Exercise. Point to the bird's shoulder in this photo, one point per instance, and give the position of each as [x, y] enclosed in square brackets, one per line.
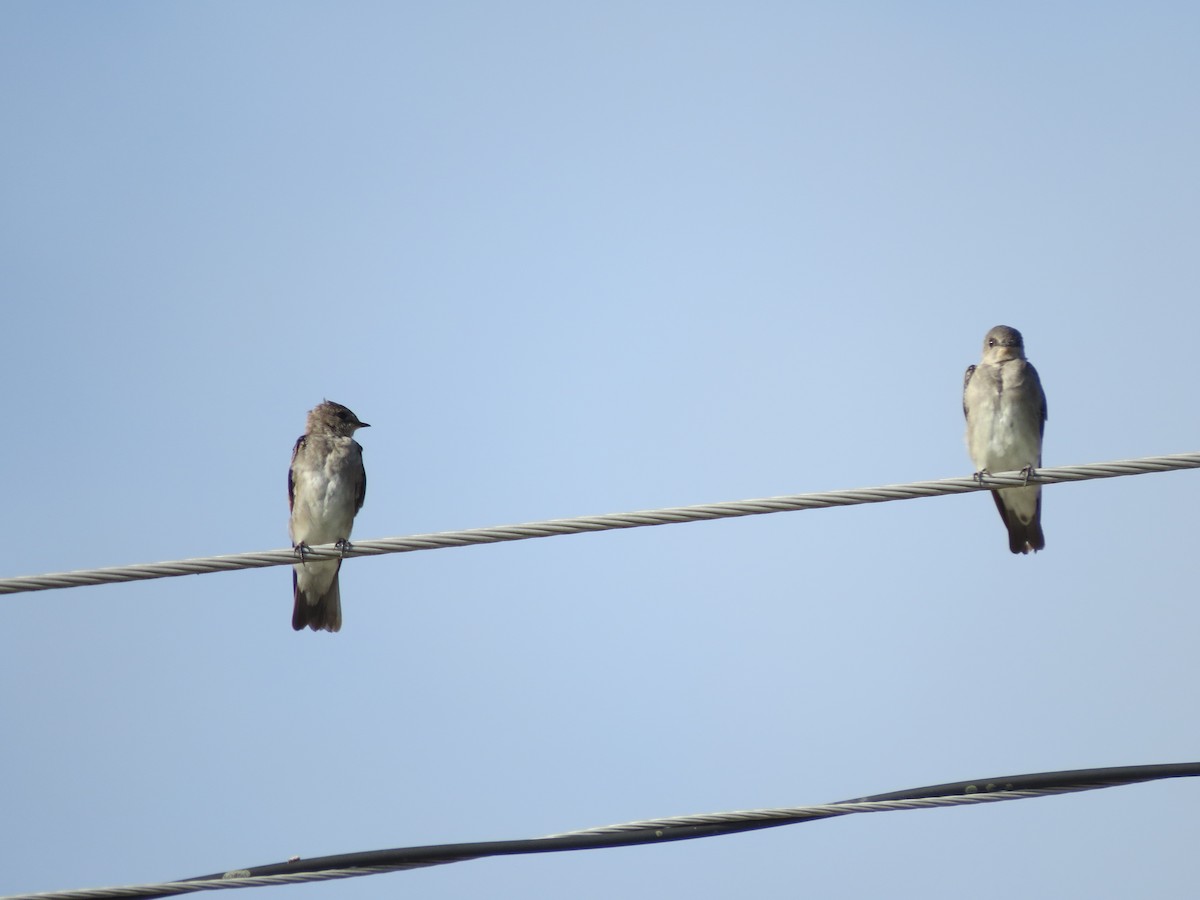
[1021, 381]
[296, 449]
[1021, 373]
[967, 376]
[360, 474]
[1033, 382]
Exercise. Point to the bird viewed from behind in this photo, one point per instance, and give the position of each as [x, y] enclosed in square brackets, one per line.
[1005, 408]
[326, 487]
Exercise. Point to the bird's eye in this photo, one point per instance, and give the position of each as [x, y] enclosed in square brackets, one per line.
[991, 342]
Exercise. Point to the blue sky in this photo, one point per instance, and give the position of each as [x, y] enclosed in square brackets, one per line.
[584, 258]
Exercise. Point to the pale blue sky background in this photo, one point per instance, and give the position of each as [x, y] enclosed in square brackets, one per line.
[574, 258]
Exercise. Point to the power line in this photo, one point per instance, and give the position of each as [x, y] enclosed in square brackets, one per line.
[607, 522]
[651, 831]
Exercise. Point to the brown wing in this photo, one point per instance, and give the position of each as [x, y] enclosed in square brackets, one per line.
[291, 473]
[1045, 412]
[1031, 384]
[966, 381]
[360, 494]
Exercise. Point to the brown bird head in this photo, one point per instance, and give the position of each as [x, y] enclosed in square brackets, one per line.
[1003, 343]
[333, 418]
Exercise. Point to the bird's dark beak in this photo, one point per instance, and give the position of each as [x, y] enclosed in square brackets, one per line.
[363, 425]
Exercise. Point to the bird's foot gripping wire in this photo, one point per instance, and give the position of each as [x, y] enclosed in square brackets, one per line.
[978, 476]
[299, 550]
[345, 546]
[1028, 472]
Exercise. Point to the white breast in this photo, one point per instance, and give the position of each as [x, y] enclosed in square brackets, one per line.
[323, 498]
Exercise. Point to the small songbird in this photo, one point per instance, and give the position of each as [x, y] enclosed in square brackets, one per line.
[326, 487]
[1005, 408]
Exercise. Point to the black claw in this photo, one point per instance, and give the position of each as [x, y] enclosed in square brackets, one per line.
[345, 546]
[299, 550]
[1027, 472]
[978, 476]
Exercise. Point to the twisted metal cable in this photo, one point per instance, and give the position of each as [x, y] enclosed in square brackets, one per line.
[648, 831]
[606, 522]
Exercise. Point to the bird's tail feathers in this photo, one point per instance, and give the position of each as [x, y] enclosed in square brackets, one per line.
[323, 613]
[1022, 536]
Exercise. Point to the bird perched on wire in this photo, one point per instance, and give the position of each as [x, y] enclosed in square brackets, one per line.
[326, 487]
[1005, 408]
